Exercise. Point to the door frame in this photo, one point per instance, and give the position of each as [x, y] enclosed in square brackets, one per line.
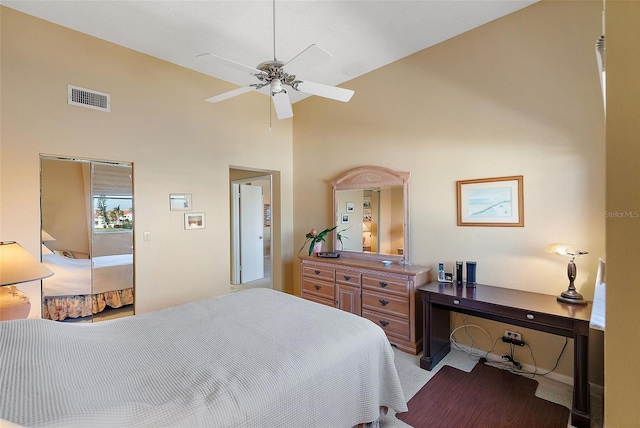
[235, 224]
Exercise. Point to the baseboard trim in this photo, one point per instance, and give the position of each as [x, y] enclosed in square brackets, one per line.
[568, 380]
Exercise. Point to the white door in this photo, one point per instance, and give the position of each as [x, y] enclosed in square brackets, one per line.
[251, 230]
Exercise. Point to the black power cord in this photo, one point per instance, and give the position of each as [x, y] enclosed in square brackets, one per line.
[515, 363]
[509, 357]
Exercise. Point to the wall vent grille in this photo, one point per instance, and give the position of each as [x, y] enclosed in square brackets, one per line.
[88, 98]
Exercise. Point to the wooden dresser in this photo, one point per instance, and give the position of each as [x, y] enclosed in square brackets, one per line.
[386, 295]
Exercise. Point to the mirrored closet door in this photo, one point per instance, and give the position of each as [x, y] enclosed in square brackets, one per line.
[87, 239]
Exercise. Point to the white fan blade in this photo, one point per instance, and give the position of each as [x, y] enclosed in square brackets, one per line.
[326, 91]
[309, 58]
[282, 104]
[234, 93]
[215, 59]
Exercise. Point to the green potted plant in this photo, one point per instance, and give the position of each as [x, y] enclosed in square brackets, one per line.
[313, 237]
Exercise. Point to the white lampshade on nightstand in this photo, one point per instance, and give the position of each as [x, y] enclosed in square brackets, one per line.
[17, 266]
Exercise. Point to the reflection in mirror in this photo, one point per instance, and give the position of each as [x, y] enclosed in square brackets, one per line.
[87, 234]
[371, 209]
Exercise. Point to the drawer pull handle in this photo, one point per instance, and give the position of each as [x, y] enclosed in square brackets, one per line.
[530, 316]
[383, 284]
[383, 302]
[347, 277]
[317, 272]
[317, 287]
[384, 323]
[456, 302]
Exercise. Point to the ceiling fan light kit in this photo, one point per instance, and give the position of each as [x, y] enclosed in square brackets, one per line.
[272, 74]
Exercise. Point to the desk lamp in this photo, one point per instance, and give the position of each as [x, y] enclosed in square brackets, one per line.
[570, 296]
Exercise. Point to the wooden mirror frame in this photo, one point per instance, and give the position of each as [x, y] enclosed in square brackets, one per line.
[367, 177]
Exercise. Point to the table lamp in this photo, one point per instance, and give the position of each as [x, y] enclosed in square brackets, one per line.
[17, 266]
[570, 296]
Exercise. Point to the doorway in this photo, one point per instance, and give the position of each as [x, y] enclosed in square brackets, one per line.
[251, 261]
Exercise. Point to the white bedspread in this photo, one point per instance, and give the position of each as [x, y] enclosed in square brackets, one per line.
[255, 358]
[73, 276]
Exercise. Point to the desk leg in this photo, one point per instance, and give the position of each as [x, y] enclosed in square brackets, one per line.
[580, 410]
[436, 327]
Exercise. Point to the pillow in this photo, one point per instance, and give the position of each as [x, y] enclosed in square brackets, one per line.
[64, 253]
[79, 255]
[46, 251]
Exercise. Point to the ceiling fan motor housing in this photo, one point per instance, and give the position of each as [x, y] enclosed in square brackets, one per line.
[275, 76]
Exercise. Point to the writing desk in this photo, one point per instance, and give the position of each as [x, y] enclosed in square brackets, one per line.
[535, 311]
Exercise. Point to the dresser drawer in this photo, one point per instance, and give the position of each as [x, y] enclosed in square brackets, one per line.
[386, 303]
[319, 272]
[387, 285]
[318, 287]
[318, 299]
[392, 326]
[349, 278]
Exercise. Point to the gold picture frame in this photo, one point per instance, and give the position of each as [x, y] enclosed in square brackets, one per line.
[491, 202]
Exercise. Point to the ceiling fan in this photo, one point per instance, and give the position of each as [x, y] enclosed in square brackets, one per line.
[272, 74]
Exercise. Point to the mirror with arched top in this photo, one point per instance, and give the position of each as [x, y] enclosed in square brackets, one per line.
[371, 206]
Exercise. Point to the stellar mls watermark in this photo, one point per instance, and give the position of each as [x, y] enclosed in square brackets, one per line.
[622, 214]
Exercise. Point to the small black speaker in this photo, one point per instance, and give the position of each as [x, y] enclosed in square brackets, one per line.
[459, 273]
[471, 274]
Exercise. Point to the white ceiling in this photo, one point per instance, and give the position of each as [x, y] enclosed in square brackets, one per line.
[362, 35]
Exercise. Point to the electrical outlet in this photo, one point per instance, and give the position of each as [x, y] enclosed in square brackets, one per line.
[512, 336]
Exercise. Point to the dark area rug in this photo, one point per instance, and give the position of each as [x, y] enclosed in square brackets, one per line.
[485, 397]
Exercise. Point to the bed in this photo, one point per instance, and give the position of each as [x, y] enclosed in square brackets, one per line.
[254, 358]
[71, 292]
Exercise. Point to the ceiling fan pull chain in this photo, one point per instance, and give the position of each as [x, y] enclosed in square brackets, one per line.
[270, 124]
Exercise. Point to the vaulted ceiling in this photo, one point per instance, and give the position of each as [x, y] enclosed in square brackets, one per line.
[361, 35]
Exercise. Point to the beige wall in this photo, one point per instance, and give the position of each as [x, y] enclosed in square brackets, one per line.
[158, 121]
[518, 96]
[622, 340]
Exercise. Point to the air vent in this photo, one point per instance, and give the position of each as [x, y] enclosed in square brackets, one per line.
[88, 98]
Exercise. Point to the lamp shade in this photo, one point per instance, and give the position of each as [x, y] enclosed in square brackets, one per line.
[17, 265]
[46, 236]
[564, 250]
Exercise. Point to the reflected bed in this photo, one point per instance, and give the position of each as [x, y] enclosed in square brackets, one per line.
[69, 293]
[254, 358]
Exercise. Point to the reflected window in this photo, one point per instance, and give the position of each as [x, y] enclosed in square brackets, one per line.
[112, 213]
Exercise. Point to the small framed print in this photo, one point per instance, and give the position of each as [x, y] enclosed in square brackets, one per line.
[180, 201]
[491, 202]
[351, 207]
[194, 221]
[345, 218]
